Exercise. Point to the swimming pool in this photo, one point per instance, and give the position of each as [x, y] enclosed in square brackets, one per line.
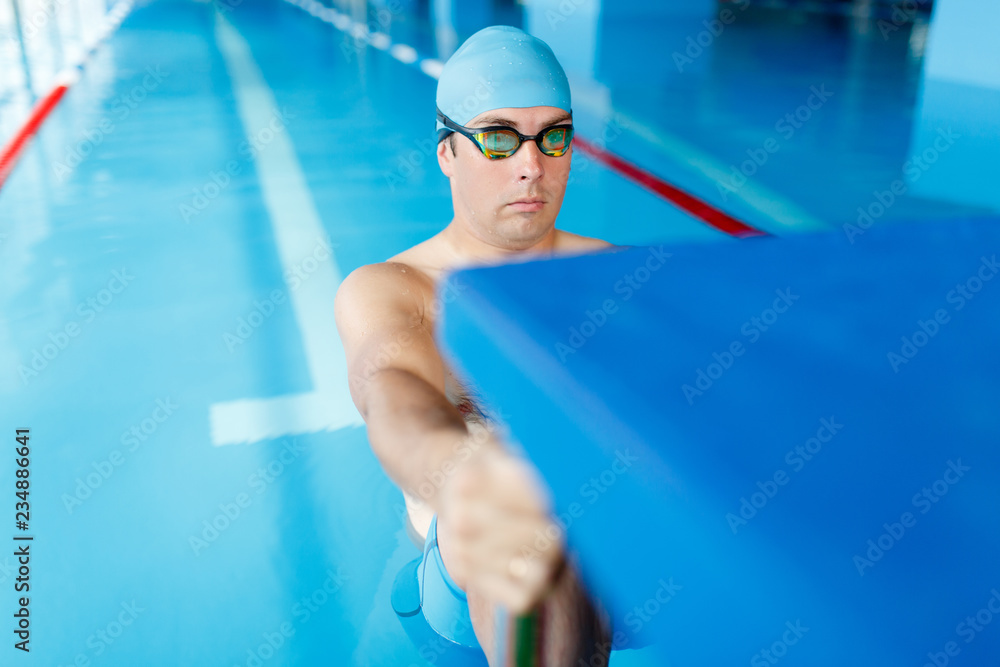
[203, 490]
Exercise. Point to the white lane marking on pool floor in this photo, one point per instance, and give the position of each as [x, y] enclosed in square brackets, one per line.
[297, 227]
[330, 406]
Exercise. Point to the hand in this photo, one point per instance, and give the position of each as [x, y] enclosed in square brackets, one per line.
[495, 531]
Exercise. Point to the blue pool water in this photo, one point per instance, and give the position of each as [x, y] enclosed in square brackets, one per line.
[171, 242]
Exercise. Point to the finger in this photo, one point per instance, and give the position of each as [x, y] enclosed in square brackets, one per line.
[486, 534]
[536, 573]
[500, 543]
[529, 569]
[469, 562]
[497, 525]
[520, 593]
[514, 597]
[492, 513]
[516, 474]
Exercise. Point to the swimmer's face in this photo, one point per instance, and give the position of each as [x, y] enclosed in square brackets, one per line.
[485, 192]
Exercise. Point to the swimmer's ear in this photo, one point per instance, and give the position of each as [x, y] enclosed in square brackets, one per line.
[446, 160]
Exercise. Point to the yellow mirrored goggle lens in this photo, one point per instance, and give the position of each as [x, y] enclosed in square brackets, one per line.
[501, 143]
[555, 141]
[498, 143]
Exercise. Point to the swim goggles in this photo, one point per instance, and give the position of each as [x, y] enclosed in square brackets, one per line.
[500, 142]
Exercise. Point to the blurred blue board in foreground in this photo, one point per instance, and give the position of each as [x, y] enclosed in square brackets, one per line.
[773, 450]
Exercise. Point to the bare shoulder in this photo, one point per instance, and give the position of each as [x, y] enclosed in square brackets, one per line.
[380, 313]
[570, 242]
[383, 290]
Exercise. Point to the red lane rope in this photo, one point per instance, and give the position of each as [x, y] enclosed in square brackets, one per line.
[15, 147]
[683, 200]
[705, 212]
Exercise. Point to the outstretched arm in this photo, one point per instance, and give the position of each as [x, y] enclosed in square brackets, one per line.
[397, 378]
[491, 505]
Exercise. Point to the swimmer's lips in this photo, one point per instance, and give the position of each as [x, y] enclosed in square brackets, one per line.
[527, 205]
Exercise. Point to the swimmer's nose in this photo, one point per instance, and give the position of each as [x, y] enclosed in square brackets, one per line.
[529, 161]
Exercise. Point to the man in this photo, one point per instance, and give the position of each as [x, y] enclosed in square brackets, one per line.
[486, 507]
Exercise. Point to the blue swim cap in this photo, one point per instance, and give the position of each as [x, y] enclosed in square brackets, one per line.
[500, 67]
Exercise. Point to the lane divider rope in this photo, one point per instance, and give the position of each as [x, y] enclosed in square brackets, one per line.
[694, 206]
[64, 79]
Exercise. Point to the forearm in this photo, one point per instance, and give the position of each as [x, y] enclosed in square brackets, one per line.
[417, 435]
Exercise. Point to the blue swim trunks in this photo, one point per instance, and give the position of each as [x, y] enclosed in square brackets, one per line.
[434, 611]
[444, 604]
